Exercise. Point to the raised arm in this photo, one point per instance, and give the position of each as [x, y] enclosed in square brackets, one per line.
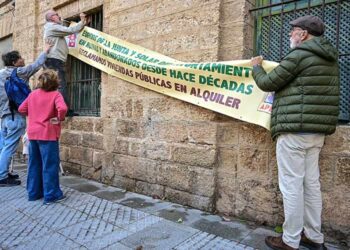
[60, 31]
[275, 80]
[29, 70]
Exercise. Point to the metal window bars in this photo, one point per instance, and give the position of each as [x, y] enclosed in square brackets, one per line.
[84, 81]
[272, 33]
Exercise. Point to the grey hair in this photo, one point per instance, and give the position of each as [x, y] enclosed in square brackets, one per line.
[48, 15]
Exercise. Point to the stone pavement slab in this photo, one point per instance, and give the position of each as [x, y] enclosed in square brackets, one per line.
[52, 241]
[162, 235]
[97, 216]
[202, 240]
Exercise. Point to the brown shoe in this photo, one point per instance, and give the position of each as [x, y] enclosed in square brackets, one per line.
[277, 243]
[310, 244]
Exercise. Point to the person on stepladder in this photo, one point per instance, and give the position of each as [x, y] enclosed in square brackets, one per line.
[56, 32]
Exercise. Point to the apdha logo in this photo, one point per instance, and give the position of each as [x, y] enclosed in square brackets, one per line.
[72, 41]
[266, 104]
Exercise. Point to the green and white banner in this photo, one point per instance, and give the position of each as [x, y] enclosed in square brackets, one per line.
[225, 87]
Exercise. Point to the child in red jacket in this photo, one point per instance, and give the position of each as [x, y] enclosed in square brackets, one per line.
[45, 108]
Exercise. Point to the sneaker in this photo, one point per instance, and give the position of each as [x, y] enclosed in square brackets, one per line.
[310, 244]
[62, 198]
[277, 243]
[8, 182]
[13, 176]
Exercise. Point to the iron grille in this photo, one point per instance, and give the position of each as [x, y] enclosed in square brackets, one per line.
[272, 39]
[84, 81]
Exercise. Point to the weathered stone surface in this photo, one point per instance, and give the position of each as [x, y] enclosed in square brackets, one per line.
[253, 136]
[98, 128]
[109, 126]
[202, 133]
[186, 20]
[94, 172]
[228, 133]
[169, 109]
[226, 193]
[65, 124]
[70, 138]
[177, 43]
[82, 156]
[336, 213]
[98, 157]
[172, 6]
[342, 171]
[176, 176]
[109, 164]
[91, 173]
[338, 143]
[194, 180]
[232, 12]
[200, 202]
[257, 201]
[92, 140]
[157, 151]
[120, 146]
[118, 5]
[199, 55]
[137, 168]
[135, 15]
[125, 108]
[170, 131]
[158, 145]
[252, 161]
[64, 153]
[130, 129]
[124, 182]
[82, 124]
[136, 148]
[71, 168]
[149, 189]
[229, 35]
[194, 155]
[327, 165]
[228, 160]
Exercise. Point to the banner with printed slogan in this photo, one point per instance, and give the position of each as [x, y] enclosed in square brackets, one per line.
[225, 87]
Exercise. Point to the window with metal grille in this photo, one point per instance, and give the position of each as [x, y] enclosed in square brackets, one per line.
[83, 80]
[5, 46]
[272, 34]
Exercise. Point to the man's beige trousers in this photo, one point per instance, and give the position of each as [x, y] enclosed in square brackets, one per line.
[298, 175]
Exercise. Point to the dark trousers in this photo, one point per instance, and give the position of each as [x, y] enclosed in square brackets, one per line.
[43, 167]
[60, 67]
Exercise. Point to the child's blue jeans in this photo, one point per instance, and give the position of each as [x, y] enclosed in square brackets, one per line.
[43, 167]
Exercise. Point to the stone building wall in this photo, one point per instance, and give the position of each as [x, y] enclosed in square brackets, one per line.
[155, 145]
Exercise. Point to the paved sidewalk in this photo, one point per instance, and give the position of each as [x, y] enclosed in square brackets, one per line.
[96, 216]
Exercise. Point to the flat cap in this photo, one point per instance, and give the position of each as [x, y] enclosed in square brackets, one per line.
[312, 24]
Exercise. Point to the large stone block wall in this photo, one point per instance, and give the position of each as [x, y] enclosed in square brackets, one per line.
[156, 145]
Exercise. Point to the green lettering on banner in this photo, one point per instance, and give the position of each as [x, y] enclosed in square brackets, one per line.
[120, 49]
[190, 77]
[225, 87]
[90, 35]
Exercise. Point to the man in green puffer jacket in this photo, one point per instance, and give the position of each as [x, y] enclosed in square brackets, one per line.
[305, 109]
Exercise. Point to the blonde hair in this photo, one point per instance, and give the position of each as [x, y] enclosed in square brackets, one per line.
[48, 80]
